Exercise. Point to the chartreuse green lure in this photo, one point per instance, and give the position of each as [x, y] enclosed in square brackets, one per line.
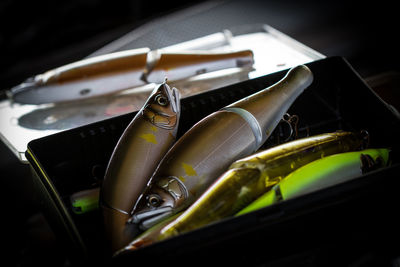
[85, 201]
[320, 174]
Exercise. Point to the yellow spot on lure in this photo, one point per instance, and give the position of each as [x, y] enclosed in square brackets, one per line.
[149, 137]
[189, 170]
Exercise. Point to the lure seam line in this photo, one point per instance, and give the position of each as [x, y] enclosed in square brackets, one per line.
[105, 204]
[251, 121]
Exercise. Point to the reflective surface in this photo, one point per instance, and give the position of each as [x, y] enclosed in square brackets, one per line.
[273, 51]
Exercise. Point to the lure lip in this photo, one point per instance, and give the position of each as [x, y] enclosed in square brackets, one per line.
[140, 216]
[172, 94]
[148, 218]
[170, 190]
[175, 96]
[148, 223]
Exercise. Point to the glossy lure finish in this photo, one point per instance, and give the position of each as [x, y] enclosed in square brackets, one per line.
[117, 71]
[204, 152]
[178, 66]
[84, 79]
[249, 178]
[138, 152]
[320, 174]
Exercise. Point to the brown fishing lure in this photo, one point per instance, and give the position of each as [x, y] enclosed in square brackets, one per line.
[204, 152]
[138, 152]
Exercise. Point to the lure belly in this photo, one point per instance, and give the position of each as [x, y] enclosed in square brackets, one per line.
[138, 152]
[204, 152]
[320, 174]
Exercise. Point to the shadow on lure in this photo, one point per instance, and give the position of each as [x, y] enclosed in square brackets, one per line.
[249, 178]
[210, 146]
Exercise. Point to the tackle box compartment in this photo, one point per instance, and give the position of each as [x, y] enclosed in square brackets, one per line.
[351, 223]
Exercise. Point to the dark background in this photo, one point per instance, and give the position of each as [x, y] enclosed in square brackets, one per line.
[43, 34]
[39, 35]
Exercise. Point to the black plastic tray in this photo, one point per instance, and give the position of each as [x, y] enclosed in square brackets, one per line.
[343, 223]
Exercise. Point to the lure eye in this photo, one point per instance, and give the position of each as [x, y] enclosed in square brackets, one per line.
[154, 200]
[161, 100]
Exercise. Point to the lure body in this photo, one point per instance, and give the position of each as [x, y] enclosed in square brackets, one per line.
[320, 174]
[138, 152]
[122, 70]
[249, 178]
[84, 79]
[204, 152]
[178, 66]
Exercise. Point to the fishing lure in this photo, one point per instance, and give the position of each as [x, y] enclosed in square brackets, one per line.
[204, 152]
[138, 152]
[122, 70]
[320, 174]
[85, 201]
[249, 178]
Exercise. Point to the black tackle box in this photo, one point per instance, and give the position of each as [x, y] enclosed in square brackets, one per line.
[353, 224]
